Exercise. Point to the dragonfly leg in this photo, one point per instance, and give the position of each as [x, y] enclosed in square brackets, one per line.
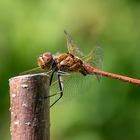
[52, 95]
[63, 73]
[51, 77]
[60, 86]
[61, 89]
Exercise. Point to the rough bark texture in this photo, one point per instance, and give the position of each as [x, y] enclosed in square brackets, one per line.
[29, 111]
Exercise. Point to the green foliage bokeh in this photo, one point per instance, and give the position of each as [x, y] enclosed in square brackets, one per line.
[110, 109]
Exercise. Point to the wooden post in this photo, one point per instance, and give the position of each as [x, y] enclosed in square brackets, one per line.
[29, 111]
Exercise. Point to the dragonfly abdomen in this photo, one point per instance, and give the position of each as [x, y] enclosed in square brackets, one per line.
[92, 70]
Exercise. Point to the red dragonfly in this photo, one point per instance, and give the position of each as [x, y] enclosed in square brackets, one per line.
[69, 62]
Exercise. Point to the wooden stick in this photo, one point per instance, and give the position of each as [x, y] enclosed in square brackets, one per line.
[29, 111]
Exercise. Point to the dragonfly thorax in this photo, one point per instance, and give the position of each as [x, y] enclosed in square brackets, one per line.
[46, 60]
[70, 63]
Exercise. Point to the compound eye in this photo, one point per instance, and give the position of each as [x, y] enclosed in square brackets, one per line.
[47, 56]
[48, 59]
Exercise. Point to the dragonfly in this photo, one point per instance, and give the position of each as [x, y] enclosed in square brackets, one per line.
[74, 61]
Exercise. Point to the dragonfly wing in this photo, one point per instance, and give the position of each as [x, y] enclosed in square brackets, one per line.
[75, 85]
[34, 71]
[72, 47]
[95, 59]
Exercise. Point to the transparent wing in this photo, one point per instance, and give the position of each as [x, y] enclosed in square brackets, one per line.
[72, 47]
[75, 85]
[33, 71]
[95, 59]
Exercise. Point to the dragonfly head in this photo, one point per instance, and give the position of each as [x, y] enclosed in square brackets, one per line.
[46, 60]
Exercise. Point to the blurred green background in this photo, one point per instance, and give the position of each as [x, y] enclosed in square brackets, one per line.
[110, 109]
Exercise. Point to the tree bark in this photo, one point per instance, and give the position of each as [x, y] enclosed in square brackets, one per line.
[30, 119]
